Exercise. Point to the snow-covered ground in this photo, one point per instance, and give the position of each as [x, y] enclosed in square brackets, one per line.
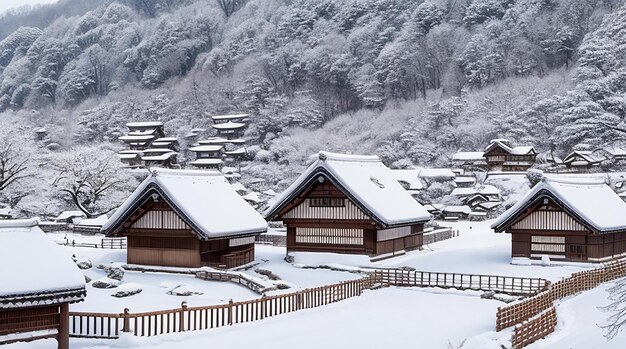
[392, 317]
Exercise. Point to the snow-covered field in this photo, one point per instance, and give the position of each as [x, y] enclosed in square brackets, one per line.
[392, 317]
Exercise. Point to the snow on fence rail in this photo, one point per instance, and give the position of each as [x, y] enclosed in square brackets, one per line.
[103, 325]
[535, 307]
[502, 284]
[109, 243]
[439, 235]
[538, 327]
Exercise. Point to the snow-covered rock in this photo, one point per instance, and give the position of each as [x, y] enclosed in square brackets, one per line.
[115, 273]
[83, 263]
[127, 290]
[105, 283]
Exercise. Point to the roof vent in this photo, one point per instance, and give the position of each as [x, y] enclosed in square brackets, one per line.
[377, 182]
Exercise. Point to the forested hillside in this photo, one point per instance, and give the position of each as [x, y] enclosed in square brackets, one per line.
[410, 80]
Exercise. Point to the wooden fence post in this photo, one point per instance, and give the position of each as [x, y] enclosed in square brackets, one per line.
[230, 312]
[126, 320]
[63, 336]
[181, 318]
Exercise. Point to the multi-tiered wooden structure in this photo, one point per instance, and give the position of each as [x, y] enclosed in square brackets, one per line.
[148, 146]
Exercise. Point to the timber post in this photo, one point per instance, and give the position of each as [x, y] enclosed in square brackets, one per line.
[63, 337]
[230, 312]
[126, 319]
[181, 318]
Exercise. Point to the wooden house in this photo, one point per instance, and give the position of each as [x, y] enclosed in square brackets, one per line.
[582, 160]
[219, 119]
[469, 159]
[409, 180]
[502, 156]
[165, 143]
[131, 158]
[162, 157]
[141, 134]
[349, 204]
[230, 130]
[207, 156]
[456, 212]
[39, 281]
[567, 219]
[612, 153]
[465, 181]
[187, 218]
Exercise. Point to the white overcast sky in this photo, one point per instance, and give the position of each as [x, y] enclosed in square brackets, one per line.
[9, 4]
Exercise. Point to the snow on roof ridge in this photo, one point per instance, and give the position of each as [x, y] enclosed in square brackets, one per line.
[158, 171]
[597, 180]
[19, 223]
[325, 155]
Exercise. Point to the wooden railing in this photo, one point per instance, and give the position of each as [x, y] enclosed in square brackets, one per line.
[232, 277]
[501, 284]
[530, 314]
[108, 243]
[103, 325]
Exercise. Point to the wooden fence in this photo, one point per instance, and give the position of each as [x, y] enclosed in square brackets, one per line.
[232, 277]
[538, 327]
[530, 314]
[439, 235]
[109, 243]
[103, 325]
[501, 284]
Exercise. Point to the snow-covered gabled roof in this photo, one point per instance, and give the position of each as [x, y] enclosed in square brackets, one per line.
[139, 124]
[206, 148]
[167, 139]
[461, 179]
[220, 140]
[35, 271]
[205, 162]
[366, 181]
[506, 146]
[586, 155]
[457, 209]
[443, 173]
[161, 157]
[228, 126]
[157, 151]
[463, 191]
[411, 177]
[229, 117]
[468, 156]
[142, 138]
[589, 200]
[203, 199]
[70, 214]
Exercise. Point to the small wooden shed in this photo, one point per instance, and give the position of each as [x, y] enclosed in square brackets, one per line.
[567, 219]
[38, 283]
[187, 218]
[349, 204]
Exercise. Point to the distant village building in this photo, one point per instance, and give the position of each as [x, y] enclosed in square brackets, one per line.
[39, 281]
[187, 218]
[148, 146]
[409, 179]
[207, 156]
[41, 133]
[469, 159]
[349, 204]
[582, 160]
[456, 212]
[502, 156]
[70, 216]
[567, 219]
[161, 157]
[612, 153]
[499, 155]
